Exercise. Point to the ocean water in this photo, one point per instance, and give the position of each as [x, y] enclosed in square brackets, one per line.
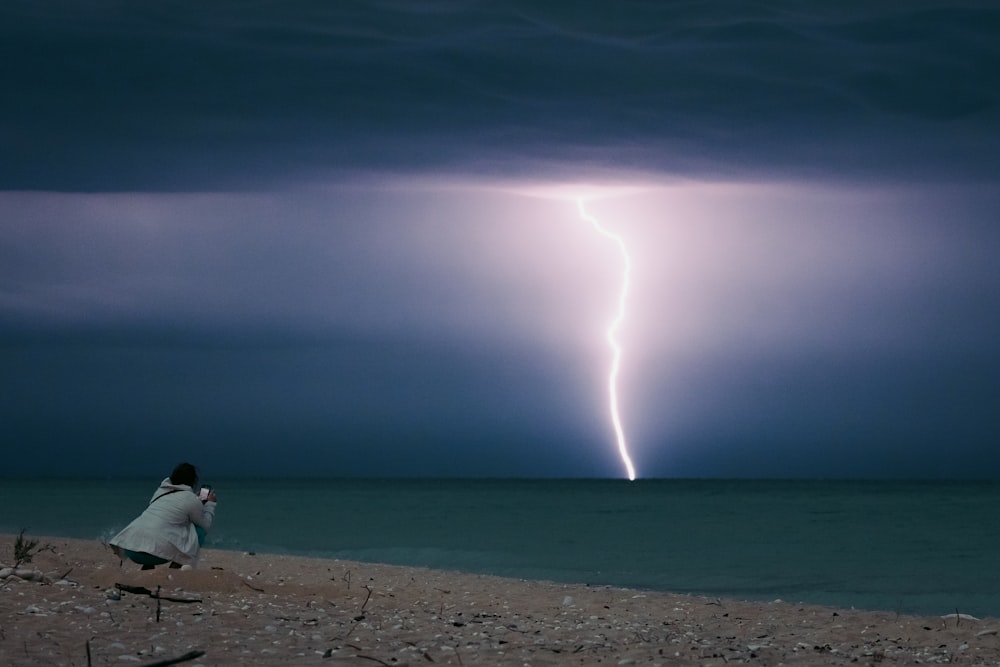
[911, 547]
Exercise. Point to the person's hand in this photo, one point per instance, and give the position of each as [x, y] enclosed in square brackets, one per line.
[211, 497]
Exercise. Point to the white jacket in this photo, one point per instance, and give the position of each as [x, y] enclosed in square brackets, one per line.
[166, 527]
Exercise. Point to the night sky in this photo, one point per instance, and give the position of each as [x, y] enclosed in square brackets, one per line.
[342, 238]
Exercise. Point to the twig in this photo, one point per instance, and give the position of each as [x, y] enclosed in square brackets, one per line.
[142, 590]
[368, 657]
[158, 604]
[347, 578]
[173, 661]
[350, 630]
[249, 585]
[369, 597]
[88, 652]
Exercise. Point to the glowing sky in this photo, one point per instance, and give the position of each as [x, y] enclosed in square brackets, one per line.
[344, 240]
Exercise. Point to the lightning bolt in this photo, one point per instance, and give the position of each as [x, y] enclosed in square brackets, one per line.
[612, 331]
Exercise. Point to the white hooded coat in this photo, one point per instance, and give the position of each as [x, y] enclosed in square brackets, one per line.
[167, 526]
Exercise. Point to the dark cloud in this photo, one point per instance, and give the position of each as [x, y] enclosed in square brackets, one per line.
[297, 238]
[116, 97]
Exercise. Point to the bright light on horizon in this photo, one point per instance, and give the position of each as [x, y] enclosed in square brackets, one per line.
[612, 339]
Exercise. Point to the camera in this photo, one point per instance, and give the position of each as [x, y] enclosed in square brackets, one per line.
[203, 494]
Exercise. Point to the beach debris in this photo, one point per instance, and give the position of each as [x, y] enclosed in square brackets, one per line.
[25, 573]
[959, 617]
[25, 549]
[367, 597]
[191, 655]
[251, 586]
[142, 590]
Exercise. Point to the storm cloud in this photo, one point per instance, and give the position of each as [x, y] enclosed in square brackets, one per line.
[342, 238]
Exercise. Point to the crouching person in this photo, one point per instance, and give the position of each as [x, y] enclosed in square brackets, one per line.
[173, 526]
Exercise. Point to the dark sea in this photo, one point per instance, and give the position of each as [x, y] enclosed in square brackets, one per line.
[909, 547]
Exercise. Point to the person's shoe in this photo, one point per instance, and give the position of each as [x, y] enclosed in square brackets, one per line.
[175, 566]
[148, 567]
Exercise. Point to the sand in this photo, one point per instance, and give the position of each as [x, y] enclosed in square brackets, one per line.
[260, 609]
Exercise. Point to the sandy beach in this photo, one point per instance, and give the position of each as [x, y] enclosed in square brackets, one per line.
[260, 609]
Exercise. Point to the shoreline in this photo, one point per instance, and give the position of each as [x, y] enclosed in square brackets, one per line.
[260, 609]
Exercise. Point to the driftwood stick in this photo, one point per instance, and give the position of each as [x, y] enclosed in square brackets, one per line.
[249, 585]
[158, 601]
[142, 590]
[173, 661]
[87, 644]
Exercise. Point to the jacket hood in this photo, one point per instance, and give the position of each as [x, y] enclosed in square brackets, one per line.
[167, 485]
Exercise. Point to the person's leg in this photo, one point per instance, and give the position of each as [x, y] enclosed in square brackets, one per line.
[202, 533]
[148, 561]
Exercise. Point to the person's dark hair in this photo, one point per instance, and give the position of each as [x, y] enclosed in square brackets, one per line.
[184, 473]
